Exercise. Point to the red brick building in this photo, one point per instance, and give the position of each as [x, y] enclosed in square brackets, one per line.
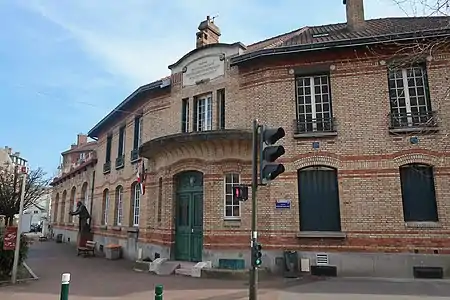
[366, 115]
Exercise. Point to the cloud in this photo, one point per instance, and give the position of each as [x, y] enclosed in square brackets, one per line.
[138, 39]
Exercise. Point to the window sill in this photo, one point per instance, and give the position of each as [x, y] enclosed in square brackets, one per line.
[120, 166]
[232, 223]
[423, 225]
[136, 160]
[106, 172]
[322, 234]
[133, 229]
[315, 135]
[413, 130]
[103, 227]
[116, 228]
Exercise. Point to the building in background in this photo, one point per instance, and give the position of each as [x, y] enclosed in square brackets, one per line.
[367, 151]
[41, 211]
[9, 160]
[73, 183]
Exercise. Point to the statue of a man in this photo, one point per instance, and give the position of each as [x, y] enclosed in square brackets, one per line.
[83, 216]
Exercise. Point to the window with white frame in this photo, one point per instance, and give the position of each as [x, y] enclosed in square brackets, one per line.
[410, 103]
[314, 111]
[105, 207]
[203, 113]
[232, 205]
[86, 201]
[119, 205]
[136, 204]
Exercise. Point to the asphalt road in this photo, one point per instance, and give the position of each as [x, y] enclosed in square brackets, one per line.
[98, 278]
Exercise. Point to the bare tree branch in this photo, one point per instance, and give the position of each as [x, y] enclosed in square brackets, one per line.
[36, 186]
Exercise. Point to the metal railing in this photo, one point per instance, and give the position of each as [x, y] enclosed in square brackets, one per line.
[412, 120]
[314, 125]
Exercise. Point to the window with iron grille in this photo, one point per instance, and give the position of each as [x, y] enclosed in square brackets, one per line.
[314, 113]
[409, 98]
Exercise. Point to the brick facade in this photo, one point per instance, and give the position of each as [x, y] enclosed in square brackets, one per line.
[365, 153]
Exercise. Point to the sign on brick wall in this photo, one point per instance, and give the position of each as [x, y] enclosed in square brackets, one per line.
[205, 68]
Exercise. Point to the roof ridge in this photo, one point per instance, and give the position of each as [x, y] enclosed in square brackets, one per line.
[275, 37]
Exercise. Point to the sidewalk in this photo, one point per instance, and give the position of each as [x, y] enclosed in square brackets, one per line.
[98, 278]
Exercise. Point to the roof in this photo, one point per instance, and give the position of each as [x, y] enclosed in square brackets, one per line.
[128, 102]
[90, 162]
[89, 146]
[338, 35]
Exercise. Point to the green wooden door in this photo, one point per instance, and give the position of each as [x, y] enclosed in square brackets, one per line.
[183, 227]
[197, 226]
[189, 217]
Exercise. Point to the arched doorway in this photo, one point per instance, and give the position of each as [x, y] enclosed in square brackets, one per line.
[189, 216]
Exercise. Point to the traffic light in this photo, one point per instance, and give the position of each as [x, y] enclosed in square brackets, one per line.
[256, 254]
[240, 192]
[269, 153]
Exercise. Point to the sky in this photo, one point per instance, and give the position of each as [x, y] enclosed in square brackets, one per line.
[65, 64]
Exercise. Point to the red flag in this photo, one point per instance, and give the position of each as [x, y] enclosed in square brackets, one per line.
[141, 176]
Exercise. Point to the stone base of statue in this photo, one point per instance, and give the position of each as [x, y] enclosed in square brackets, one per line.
[83, 237]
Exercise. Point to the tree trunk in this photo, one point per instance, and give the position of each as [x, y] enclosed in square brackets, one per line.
[9, 220]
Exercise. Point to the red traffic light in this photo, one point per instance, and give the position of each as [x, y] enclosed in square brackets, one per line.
[240, 192]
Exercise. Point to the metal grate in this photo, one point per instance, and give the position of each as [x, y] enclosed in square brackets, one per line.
[322, 259]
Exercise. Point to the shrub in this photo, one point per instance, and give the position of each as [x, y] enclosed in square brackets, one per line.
[7, 257]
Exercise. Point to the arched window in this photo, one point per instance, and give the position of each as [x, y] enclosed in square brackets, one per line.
[418, 193]
[55, 209]
[72, 202]
[105, 207]
[135, 198]
[118, 214]
[63, 207]
[85, 196]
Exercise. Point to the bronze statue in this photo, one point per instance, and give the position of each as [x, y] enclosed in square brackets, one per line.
[83, 216]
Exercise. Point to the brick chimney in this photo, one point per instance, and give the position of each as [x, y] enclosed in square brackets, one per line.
[81, 139]
[355, 14]
[208, 33]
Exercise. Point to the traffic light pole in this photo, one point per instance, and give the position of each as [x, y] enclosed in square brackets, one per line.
[253, 271]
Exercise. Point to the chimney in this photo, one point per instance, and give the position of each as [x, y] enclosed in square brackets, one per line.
[208, 33]
[81, 139]
[355, 14]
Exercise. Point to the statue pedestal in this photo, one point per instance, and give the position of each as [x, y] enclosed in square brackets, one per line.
[83, 237]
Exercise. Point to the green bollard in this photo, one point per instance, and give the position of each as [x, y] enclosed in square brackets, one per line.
[159, 292]
[65, 280]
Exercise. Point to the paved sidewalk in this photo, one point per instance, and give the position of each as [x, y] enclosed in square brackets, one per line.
[98, 278]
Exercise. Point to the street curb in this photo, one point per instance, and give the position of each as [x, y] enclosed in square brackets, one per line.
[35, 277]
[392, 279]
